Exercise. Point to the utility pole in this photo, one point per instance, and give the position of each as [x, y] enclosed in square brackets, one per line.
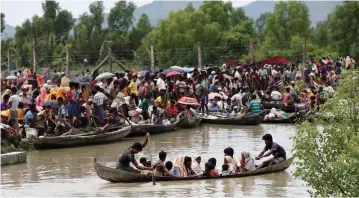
[67, 60]
[109, 51]
[34, 56]
[8, 61]
[199, 55]
[251, 50]
[152, 59]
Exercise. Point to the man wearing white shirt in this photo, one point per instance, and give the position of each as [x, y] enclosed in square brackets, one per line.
[161, 83]
[276, 95]
[14, 101]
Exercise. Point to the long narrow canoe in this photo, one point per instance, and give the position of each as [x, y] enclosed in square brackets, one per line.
[247, 120]
[290, 120]
[190, 122]
[142, 129]
[120, 176]
[81, 140]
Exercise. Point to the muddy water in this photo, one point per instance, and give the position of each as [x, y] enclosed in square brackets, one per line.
[70, 172]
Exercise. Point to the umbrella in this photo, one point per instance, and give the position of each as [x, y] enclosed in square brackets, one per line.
[143, 73]
[172, 69]
[188, 70]
[177, 68]
[51, 103]
[188, 101]
[21, 80]
[211, 96]
[173, 73]
[82, 80]
[105, 76]
[11, 78]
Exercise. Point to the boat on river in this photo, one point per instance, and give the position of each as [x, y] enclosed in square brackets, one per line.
[143, 128]
[289, 120]
[111, 134]
[190, 122]
[120, 176]
[246, 120]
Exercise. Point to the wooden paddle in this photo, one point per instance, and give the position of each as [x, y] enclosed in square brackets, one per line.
[149, 147]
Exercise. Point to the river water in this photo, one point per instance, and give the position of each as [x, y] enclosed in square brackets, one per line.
[70, 172]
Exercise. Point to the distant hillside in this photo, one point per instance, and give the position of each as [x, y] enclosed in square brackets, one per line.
[318, 11]
[9, 32]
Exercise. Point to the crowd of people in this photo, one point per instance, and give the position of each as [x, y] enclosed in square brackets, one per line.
[185, 166]
[61, 104]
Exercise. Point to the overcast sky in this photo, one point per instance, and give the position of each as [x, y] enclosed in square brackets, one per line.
[17, 11]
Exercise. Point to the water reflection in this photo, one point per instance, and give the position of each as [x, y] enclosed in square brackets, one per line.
[69, 172]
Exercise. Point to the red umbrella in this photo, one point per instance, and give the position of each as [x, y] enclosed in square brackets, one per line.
[173, 73]
[188, 101]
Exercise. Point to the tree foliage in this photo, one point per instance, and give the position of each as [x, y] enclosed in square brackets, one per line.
[121, 16]
[328, 155]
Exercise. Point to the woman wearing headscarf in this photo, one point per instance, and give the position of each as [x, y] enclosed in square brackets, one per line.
[182, 167]
[52, 93]
[61, 93]
[230, 162]
[246, 162]
[196, 165]
[41, 98]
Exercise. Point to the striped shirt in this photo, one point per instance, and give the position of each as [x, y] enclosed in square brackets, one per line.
[255, 106]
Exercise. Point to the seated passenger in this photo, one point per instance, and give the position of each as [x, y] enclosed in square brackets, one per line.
[246, 162]
[213, 161]
[231, 167]
[159, 167]
[196, 166]
[209, 170]
[182, 167]
[225, 170]
[169, 166]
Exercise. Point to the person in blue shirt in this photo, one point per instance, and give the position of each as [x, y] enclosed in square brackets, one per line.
[213, 88]
[274, 148]
[31, 116]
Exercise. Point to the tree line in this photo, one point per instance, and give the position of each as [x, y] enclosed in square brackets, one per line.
[222, 31]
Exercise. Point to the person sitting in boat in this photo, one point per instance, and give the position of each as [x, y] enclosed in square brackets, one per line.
[196, 166]
[169, 167]
[228, 160]
[156, 115]
[288, 101]
[209, 170]
[225, 170]
[213, 161]
[274, 148]
[144, 106]
[254, 106]
[172, 110]
[276, 96]
[129, 156]
[113, 118]
[212, 105]
[143, 161]
[182, 167]
[159, 167]
[246, 162]
[31, 116]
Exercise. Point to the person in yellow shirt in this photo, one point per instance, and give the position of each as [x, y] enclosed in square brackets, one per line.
[21, 113]
[133, 88]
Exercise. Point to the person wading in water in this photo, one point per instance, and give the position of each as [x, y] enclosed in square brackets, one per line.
[129, 156]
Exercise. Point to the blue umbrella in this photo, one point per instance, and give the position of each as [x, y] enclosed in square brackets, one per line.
[143, 73]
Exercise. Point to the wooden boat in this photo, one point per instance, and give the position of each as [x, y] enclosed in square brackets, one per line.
[246, 120]
[142, 129]
[187, 122]
[113, 134]
[116, 175]
[270, 105]
[290, 120]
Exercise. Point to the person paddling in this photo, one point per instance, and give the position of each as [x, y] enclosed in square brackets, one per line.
[129, 156]
[274, 148]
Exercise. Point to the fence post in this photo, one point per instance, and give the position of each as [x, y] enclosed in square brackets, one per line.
[8, 61]
[199, 55]
[251, 51]
[34, 56]
[67, 60]
[152, 59]
[109, 51]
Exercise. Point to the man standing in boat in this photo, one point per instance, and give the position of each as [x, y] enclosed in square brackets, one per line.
[274, 149]
[129, 156]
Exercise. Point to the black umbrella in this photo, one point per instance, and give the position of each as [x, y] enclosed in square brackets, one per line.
[82, 80]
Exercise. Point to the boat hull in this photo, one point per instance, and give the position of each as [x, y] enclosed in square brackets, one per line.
[190, 122]
[142, 129]
[120, 176]
[80, 140]
[248, 120]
